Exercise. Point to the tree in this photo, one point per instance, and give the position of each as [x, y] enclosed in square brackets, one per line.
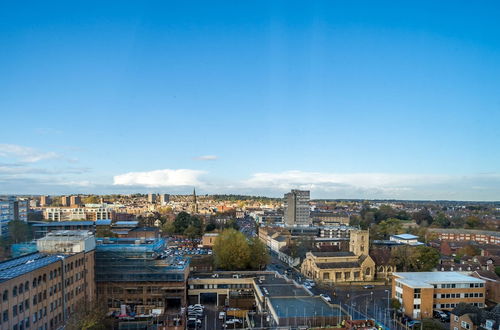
[259, 257]
[19, 231]
[472, 221]
[395, 304]
[400, 256]
[168, 228]
[468, 250]
[192, 231]
[441, 220]
[231, 250]
[91, 200]
[422, 217]
[387, 227]
[424, 258]
[210, 227]
[89, 316]
[432, 324]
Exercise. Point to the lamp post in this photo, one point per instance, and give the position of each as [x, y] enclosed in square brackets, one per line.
[387, 310]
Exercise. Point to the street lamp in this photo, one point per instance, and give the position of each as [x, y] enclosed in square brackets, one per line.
[387, 311]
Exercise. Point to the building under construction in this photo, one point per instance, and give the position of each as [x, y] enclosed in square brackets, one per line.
[135, 278]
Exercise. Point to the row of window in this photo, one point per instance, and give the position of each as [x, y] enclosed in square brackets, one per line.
[459, 285]
[458, 295]
[454, 305]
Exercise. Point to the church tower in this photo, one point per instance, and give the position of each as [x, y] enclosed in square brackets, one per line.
[194, 207]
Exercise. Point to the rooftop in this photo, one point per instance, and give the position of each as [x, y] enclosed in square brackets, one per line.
[19, 266]
[405, 236]
[64, 223]
[427, 279]
[303, 306]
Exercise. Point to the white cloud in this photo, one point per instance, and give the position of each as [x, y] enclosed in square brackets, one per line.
[206, 157]
[25, 154]
[159, 178]
[371, 185]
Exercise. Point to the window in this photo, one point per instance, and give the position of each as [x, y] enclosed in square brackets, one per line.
[26, 286]
[14, 310]
[5, 295]
[21, 287]
[14, 291]
[417, 306]
[5, 316]
[465, 325]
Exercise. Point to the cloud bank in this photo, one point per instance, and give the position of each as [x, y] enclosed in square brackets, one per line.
[206, 157]
[160, 178]
[25, 154]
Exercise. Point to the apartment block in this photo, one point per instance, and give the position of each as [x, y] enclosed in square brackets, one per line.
[65, 200]
[422, 292]
[12, 208]
[297, 208]
[460, 235]
[41, 290]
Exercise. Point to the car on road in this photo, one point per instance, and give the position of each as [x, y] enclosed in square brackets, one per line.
[413, 324]
[326, 297]
[222, 315]
[369, 286]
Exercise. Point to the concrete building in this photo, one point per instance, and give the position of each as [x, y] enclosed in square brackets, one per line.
[422, 292]
[65, 201]
[208, 239]
[164, 199]
[45, 200]
[152, 198]
[297, 208]
[75, 201]
[12, 208]
[329, 218]
[406, 239]
[41, 290]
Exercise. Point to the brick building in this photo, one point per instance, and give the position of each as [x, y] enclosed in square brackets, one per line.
[422, 292]
[41, 290]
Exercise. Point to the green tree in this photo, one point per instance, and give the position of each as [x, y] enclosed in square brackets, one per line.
[472, 221]
[192, 231]
[259, 256]
[231, 250]
[92, 199]
[432, 324]
[468, 250]
[395, 304]
[387, 227]
[441, 220]
[89, 316]
[423, 217]
[181, 222]
[19, 231]
[424, 258]
[168, 228]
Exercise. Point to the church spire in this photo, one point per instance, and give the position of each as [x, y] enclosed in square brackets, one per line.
[195, 203]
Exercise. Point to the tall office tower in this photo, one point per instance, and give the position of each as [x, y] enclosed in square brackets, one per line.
[44, 200]
[152, 198]
[75, 200]
[297, 208]
[65, 201]
[164, 199]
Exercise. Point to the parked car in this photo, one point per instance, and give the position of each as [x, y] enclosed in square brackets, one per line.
[233, 321]
[222, 315]
[441, 315]
[369, 286]
[326, 297]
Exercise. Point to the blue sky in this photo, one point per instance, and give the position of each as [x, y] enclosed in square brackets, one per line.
[350, 99]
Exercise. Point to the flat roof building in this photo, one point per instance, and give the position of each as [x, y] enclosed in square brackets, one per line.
[422, 292]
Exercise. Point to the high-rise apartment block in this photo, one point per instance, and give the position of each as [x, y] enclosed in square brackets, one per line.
[65, 201]
[12, 208]
[45, 200]
[75, 200]
[152, 198]
[297, 208]
[164, 199]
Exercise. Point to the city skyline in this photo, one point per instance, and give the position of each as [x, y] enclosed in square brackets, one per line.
[346, 100]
